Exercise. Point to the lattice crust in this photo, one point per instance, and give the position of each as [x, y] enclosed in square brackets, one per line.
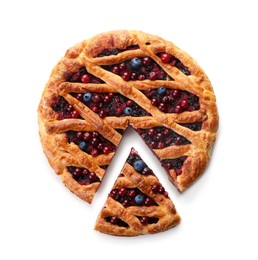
[53, 132]
[159, 215]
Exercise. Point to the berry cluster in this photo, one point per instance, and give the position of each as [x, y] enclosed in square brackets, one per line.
[161, 137]
[175, 164]
[172, 100]
[91, 142]
[82, 175]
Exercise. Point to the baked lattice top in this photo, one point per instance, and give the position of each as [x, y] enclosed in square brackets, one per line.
[119, 79]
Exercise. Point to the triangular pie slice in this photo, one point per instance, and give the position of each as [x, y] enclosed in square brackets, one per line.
[137, 204]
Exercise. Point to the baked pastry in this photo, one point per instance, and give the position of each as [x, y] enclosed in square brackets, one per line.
[137, 204]
[119, 79]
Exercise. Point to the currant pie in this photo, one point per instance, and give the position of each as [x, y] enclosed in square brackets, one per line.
[119, 79]
[137, 204]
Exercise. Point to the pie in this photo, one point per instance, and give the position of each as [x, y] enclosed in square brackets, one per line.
[119, 79]
[137, 204]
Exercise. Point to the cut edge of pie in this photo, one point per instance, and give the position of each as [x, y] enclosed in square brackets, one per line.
[137, 204]
[99, 65]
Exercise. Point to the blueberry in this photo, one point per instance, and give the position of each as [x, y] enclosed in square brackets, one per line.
[83, 145]
[87, 97]
[161, 91]
[135, 63]
[128, 111]
[139, 165]
[139, 199]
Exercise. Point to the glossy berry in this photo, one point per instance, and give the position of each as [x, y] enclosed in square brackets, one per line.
[146, 61]
[94, 152]
[155, 188]
[144, 220]
[126, 75]
[135, 63]
[83, 145]
[114, 220]
[85, 78]
[87, 97]
[128, 111]
[165, 57]
[122, 191]
[148, 202]
[161, 90]
[139, 200]
[92, 176]
[184, 104]
[139, 165]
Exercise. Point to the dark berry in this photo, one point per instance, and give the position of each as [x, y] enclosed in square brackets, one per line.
[139, 199]
[128, 111]
[139, 165]
[83, 145]
[87, 97]
[161, 90]
[85, 78]
[135, 63]
[165, 57]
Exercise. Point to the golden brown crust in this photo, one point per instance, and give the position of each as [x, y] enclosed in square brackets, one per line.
[164, 210]
[60, 154]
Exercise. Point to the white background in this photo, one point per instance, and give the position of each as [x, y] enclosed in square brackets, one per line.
[41, 219]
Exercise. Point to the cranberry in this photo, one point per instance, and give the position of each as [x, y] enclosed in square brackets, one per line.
[122, 66]
[114, 220]
[106, 150]
[175, 93]
[115, 69]
[95, 134]
[184, 104]
[166, 132]
[69, 108]
[126, 203]
[79, 135]
[155, 102]
[178, 109]
[85, 78]
[85, 172]
[134, 76]
[113, 194]
[155, 188]
[129, 103]
[75, 114]
[95, 109]
[162, 107]
[141, 77]
[102, 113]
[92, 176]
[87, 136]
[132, 193]
[165, 57]
[95, 141]
[107, 99]
[165, 194]
[96, 98]
[146, 61]
[178, 172]
[161, 189]
[119, 110]
[77, 172]
[144, 220]
[122, 191]
[126, 75]
[152, 144]
[148, 202]
[79, 96]
[151, 132]
[94, 152]
[153, 75]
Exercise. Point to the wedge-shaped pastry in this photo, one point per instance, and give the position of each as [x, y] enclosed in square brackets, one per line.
[119, 79]
[137, 204]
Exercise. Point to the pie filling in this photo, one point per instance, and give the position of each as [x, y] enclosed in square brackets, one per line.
[161, 137]
[119, 222]
[82, 175]
[111, 104]
[138, 69]
[82, 76]
[193, 126]
[92, 143]
[115, 51]
[172, 100]
[175, 164]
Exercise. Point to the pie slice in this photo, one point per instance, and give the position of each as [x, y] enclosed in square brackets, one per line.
[119, 79]
[137, 204]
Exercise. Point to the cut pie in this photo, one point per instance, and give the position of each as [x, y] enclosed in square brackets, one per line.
[137, 204]
[119, 79]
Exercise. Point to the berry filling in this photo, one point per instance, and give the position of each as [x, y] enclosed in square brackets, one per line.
[92, 143]
[110, 104]
[138, 69]
[108, 52]
[64, 109]
[82, 175]
[147, 220]
[131, 197]
[175, 164]
[193, 126]
[82, 76]
[173, 61]
[138, 164]
[116, 221]
[172, 100]
[161, 137]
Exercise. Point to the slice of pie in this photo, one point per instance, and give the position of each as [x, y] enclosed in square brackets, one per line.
[119, 79]
[138, 203]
